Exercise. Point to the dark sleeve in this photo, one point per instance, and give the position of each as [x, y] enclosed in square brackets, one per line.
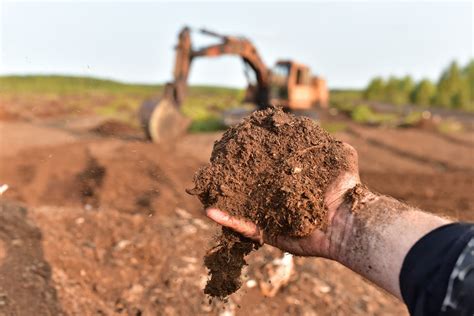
[437, 275]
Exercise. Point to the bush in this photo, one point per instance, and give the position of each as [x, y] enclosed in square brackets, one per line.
[363, 114]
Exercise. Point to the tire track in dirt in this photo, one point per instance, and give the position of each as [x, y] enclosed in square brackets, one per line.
[437, 164]
[455, 140]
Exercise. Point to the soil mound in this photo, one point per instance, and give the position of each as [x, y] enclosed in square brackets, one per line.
[118, 129]
[25, 276]
[272, 169]
[89, 180]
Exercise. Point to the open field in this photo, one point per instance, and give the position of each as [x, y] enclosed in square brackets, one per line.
[39, 97]
[109, 229]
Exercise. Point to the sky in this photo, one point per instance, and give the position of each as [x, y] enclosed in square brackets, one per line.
[347, 43]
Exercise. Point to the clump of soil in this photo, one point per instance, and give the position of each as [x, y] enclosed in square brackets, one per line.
[114, 128]
[89, 180]
[272, 169]
[225, 262]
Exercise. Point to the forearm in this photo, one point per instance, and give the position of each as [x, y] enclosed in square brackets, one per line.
[371, 234]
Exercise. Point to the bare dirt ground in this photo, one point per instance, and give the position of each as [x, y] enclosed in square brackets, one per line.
[109, 229]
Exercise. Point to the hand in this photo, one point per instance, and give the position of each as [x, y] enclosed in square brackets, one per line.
[319, 243]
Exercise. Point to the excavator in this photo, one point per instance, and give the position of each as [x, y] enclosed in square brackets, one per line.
[289, 84]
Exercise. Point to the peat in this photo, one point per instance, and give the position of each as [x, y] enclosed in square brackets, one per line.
[272, 169]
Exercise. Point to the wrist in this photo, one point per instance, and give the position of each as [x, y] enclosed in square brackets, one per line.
[336, 194]
[342, 228]
[371, 234]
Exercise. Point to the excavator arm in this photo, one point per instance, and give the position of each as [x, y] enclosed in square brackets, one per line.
[243, 48]
[230, 45]
[162, 119]
[182, 65]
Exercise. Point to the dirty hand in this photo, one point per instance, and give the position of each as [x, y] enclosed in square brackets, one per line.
[319, 242]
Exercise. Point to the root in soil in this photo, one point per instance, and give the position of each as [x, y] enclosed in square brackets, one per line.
[272, 169]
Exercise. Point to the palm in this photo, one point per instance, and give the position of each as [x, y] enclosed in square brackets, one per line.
[316, 244]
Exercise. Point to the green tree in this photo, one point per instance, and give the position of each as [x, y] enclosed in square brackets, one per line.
[452, 90]
[424, 93]
[468, 73]
[393, 91]
[406, 89]
[375, 90]
[407, 84]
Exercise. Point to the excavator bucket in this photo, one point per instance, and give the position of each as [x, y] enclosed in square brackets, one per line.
[162, 121]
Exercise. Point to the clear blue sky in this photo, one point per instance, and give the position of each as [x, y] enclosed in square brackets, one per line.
[346, 42]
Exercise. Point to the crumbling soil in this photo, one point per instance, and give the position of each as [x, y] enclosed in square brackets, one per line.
[272, 169]
[25, 277]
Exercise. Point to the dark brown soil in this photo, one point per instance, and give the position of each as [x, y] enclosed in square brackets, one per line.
[272, 169]
[25, 276]
[114, 128]
[225, 263]
[89, 180]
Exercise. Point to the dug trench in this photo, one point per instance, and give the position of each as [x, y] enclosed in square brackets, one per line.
[272, 169]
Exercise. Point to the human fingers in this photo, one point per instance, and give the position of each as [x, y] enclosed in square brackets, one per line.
[244, 227]
[315, 244]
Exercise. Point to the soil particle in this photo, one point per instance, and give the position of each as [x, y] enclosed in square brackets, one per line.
[357, 197]
[272, 169]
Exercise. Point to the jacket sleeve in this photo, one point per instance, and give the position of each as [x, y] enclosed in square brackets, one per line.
[437, 275]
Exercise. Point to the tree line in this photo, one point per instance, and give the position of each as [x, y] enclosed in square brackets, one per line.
[454, 89]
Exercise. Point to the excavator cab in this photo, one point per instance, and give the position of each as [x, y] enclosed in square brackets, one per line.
[293, 87]
[279, 83]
